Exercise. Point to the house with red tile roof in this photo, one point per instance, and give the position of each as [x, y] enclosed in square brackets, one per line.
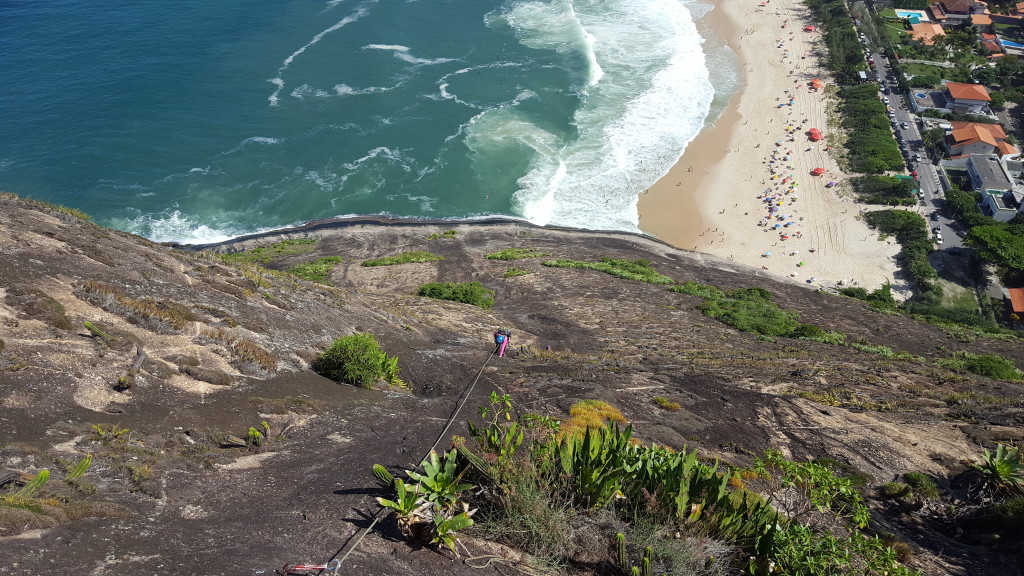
[1016, 302]
[991, 43]
[968, 98]
[925, 32]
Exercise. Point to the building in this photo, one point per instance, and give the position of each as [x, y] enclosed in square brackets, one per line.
[965, 138]
[968, 98]
[1015, 296]
[958, 9]
[991, 43]
[981, 22]
[999, 183]
[925, 32]
[1000, 206]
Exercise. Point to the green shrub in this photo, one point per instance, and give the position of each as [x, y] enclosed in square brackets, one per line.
[888, 190]
[515, 254]
[922, 485]
[512, 272]
[404, 258]
[990, 365]
[318, 270]
[357, 359]
[639, 270]
[895, 490]
[666, 404]
[911, 232]
[699, 290]
[265, 254]
[751, 310]
[466, 292]
[1012, 509]
[447, 234]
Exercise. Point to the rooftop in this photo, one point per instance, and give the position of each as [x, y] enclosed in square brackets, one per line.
[970, 135]
[1017, 300]
[991, 173]
[1005, 201]
[925, 32]
[981, 19]
[968, 91]
[1006, 149]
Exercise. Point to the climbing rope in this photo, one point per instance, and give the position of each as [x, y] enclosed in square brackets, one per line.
[334, 564]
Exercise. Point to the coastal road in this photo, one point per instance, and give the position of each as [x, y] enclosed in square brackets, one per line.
[908, 130]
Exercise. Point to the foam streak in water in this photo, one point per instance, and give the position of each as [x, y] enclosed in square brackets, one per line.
[278, 81]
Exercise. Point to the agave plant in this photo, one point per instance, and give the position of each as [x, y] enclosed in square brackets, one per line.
[440, 482]
[1002, 471]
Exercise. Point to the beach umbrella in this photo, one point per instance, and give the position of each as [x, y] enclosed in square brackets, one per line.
[800, 263]
[815, 136]
[808, 28]
[818, 171]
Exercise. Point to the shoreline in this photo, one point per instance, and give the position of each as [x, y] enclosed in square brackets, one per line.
[743, 189]
[671, 208]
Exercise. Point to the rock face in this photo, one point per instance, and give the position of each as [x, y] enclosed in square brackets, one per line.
[149, 357]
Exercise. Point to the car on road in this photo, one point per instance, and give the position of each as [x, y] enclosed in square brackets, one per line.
[904, 125]
[917, 157]
[935, 216]
[885, 99]
[961, 233]
[913, 173]
[938, 239]
[937, 230]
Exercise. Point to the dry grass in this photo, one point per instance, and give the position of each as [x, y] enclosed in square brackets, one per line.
[592, 415]
[156, 315]
[245, 349]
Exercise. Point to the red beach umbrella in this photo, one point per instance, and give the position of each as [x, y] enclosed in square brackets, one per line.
[818, 171]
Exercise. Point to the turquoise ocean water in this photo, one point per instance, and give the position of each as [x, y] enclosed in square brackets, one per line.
[199, 121]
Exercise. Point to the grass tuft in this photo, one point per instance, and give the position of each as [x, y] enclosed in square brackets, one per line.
[639, 270]
[266, 254]
[415, 256]
[515, 254]
[467, 292]
[318, 270]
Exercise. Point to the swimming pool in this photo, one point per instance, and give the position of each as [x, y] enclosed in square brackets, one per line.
[1009, 44]
[908, 13]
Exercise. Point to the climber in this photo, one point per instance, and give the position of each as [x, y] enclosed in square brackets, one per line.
[501, 340]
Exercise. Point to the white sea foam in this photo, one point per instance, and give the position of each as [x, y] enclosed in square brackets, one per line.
[443, 84]
[402, 53]
[392, 47]
[644, 103]
[177, 226]
[278, 80]
[339, 90]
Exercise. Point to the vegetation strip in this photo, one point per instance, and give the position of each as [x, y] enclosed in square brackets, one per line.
[639, 270]
[404, 258]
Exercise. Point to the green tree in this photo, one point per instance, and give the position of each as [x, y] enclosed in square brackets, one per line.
[998, 100]
[998, 244]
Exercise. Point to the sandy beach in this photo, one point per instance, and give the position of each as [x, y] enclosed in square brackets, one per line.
[744, 188]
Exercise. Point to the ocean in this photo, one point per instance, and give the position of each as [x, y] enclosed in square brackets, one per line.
[203, 121]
